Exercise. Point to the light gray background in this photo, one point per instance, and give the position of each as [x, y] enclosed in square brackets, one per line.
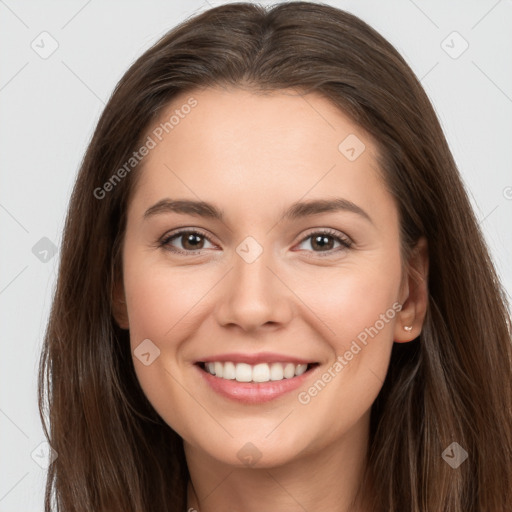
[50, 106]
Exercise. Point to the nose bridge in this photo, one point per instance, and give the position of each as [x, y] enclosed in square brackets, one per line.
[252, 278]
[252, 294]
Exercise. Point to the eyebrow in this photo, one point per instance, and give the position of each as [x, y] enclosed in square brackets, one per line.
[297, 210]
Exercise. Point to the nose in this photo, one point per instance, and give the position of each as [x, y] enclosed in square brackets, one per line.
[254, 295]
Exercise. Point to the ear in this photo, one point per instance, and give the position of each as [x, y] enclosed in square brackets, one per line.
[119, 309]
[413, 294]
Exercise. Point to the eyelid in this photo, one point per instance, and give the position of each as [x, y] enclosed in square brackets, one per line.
[328, 231]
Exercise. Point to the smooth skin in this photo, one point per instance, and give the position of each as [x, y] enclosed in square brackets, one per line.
[252, 155]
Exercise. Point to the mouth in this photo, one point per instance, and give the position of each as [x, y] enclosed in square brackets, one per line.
[256, 382]
[255, 373]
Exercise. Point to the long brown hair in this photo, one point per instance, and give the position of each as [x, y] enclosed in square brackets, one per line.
[451, 384]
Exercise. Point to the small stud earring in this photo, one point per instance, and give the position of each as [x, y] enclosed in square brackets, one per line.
[408, 328]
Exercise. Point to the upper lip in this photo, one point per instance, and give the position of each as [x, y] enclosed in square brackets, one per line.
[260, 357]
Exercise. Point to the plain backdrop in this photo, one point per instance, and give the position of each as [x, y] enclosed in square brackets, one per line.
[59, 62]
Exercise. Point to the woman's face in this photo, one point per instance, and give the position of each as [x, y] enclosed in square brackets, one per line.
[263, 291]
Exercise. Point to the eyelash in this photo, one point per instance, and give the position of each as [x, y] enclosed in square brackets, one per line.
[345, 242]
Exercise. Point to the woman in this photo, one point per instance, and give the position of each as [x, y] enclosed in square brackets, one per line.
[273, 292]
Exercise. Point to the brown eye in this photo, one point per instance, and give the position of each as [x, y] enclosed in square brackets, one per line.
[324, 241]
[189, 241]
[192, 241]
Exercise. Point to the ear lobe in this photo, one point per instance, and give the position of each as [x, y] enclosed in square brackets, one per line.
[119, 309]
[414, 306]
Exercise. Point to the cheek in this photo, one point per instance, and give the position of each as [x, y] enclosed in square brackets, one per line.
[359, 306]
[158, 299]
[352, 299]
[343, 392]
[163, 307]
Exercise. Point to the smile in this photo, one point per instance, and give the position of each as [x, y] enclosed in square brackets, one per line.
[261, 372]
[256, 378]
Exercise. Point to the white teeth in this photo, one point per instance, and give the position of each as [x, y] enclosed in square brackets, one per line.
[289, 371]
[219, 367]
[229, 371]
[262, 372]
[276, 371]
[300, 369]
[243, 372]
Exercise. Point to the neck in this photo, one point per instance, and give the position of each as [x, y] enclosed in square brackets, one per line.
[326, 478]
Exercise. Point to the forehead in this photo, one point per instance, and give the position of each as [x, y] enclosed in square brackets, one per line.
[234, 146]
[284, 122]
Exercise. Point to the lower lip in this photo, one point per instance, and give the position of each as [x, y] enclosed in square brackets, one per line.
[254, 392]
